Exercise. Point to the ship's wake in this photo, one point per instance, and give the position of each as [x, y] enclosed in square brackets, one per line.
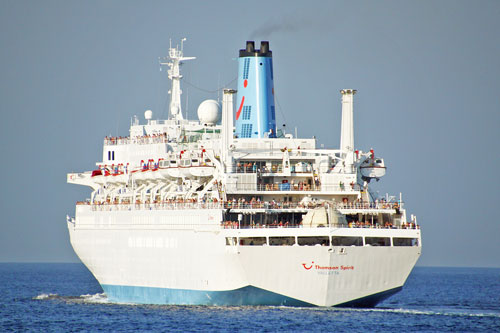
[99, 298]
[433, 312]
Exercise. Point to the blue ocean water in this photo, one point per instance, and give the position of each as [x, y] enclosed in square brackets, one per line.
[66, 297]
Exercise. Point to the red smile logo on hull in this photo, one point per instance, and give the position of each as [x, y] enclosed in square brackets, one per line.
[308, 268]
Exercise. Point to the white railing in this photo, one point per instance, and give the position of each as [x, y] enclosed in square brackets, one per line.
[272, 205]
[295, 187]
[141, 140]
[235, 225]
[179, 205]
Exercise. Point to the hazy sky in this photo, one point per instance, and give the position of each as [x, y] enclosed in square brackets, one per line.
[427, 75]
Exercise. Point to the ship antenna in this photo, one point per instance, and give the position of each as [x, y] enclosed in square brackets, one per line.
[182, 44]
[174, 61]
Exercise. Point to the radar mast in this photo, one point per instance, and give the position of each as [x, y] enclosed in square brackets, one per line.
[174, 61]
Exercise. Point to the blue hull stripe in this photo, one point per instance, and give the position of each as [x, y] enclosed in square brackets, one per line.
[243, 296]
[370, 301]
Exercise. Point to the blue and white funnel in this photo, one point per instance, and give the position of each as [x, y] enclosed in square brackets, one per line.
[255, 117]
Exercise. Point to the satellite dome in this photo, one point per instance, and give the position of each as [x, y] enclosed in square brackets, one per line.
[148, 114]
[209, 112]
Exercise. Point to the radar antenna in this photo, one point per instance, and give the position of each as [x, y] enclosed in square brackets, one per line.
[174, 61]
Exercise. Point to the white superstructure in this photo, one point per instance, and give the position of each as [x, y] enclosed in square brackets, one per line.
[187, 212]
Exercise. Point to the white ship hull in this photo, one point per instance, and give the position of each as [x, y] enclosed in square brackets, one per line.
[181, 257]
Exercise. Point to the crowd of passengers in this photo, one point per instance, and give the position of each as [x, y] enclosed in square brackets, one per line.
[143, 139]
[275, 224]
[252, 167]
[253, 203]
[286, 224]
[300, 186]
[386, 225]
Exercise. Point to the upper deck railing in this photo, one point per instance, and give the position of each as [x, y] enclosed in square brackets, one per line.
[141, 140]
[293, 186]
[364, 225]
[275, 168]
[255, 206]
[241, 205]
[281, 206]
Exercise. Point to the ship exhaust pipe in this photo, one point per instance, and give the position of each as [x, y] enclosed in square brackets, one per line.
[264, 47]
[255, 115]
[250, 46]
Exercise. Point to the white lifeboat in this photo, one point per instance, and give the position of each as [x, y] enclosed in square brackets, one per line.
[163, 166]
[202, 167]
[373, 168]
[185, 162]
[173, 170]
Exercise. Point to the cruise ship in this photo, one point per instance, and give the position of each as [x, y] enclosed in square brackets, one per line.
[230, 210]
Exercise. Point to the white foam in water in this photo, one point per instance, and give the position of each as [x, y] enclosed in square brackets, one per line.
[427, 313]
[101, 298]
[45, 296]
[96, 298]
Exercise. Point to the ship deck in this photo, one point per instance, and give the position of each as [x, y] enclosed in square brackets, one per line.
[271, 208]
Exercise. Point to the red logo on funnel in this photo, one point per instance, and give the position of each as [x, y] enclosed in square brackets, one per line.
[241, 107]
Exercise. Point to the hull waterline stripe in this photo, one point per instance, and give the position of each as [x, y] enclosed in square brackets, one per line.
[249, 295]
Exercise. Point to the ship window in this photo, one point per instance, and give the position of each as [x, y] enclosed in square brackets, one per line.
[231, 241]
[396, 241]
[109, 155]
[271, 67]
[378, 241]
[246, 112]
[253, 241]
[378, 161]
[347, 241]
[113, 155]
[277, 241]
[273, 115]
[245, 68]
[246, 131]
[315, 240]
